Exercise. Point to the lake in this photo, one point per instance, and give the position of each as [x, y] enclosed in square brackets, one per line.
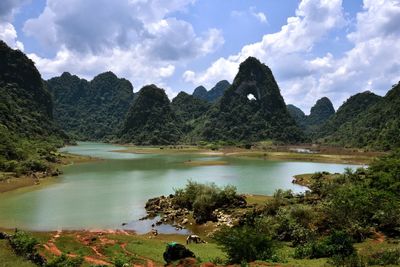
[103, 194]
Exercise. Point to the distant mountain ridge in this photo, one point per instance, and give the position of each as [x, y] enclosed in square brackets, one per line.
[319, 114]
[252, 109]
[377, 127]
[349, 110]
[91, 110]
[214, 94]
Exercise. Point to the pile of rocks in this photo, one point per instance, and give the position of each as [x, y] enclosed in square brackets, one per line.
[169, 213]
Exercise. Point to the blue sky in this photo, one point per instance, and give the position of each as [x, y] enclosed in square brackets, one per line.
[315, 48]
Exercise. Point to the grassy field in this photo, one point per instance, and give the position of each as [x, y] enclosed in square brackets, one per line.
[9, 259]
[146, 249]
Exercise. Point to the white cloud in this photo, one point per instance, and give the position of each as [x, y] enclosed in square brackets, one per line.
[312, 21]
[260, 16]
[252, 11]
[9, 36]
[371, 64]
[167, 71]
[136, 39]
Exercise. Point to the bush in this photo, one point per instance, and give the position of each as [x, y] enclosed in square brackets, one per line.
[245, 243]
[339, 245]
[23, 243]
[387, 257]
[203, 199]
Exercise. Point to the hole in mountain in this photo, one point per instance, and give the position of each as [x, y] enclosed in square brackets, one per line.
[251, 97]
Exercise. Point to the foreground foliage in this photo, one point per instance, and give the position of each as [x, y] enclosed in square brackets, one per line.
[338, 212]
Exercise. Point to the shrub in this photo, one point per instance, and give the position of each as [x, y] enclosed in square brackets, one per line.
[387, 257]
[245, 243]
[23, 243]
[203, 199]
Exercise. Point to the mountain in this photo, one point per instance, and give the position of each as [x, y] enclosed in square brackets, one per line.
[214, 94]
[200, 92]
[297, 114]
[186, 107]
[378, 127]
[150, 120]
[350, 109]
[320, 113]
[91, 110]
[189, 112]
[27, 129]
[238, 118]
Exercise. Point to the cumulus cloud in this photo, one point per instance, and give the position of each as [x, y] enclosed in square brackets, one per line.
[371, 64]
[137, 39]
[9, 35]
[313, 19]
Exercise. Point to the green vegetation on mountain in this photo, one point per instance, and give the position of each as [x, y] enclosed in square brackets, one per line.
[188, 109]
[214, 94]
[200, 92]
[237, 118]
[320, 113]
[354, 106]
[91, 110]
[378, 127]
[28, 134]
[297, 114]
[150, 120]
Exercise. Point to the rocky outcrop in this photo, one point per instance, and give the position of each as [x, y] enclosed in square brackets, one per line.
[172, 214]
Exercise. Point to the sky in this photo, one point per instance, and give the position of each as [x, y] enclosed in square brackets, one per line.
[315, 48]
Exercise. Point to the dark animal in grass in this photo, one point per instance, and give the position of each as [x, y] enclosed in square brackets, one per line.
[194, 239]
[175, 251]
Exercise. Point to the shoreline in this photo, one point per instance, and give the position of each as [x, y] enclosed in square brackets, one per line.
[325, 155]
[11, 183]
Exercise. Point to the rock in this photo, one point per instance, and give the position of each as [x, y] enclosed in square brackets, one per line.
[185, 221]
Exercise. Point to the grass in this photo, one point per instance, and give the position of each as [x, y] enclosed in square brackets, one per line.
[9, 259]
[137, 249]
[154, 248]
[69, 245]
[259, 200]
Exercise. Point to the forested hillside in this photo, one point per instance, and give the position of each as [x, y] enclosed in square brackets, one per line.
[238, 117]
[150, 120]
[28, 133]
[378, 127]
[188, 109]
[91, 110]
[350, 109]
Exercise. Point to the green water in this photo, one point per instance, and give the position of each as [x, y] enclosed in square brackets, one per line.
[103, 194]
